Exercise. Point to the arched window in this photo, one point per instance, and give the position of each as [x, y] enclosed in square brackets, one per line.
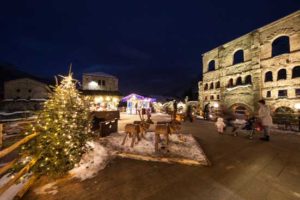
[230, 83]
[296, 72]
[218, 84]
[268, 76]
[211, 86]
[239, 81]
[238, 57]
[212, 65]
[248, 79]
[281, 74]
[212, 97]
[280, 46]
[206, 87]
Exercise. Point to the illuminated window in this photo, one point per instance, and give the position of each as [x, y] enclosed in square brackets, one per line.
[268, 94]
[280, 46]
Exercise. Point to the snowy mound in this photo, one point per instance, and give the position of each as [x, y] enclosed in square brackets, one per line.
[181, 146]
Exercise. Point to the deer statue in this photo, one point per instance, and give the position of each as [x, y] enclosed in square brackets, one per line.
[144, 125]
[165, 129]
[133, 131]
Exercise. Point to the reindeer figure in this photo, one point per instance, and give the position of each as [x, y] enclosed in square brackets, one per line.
[133, 131]
[165, 129]
[144, 126]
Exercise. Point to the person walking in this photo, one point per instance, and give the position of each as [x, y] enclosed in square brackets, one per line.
[206, 111]
[264, 114]
[189, 113]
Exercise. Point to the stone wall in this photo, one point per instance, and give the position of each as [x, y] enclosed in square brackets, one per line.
[258, 59]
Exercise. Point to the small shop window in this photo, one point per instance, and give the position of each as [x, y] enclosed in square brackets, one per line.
[282, 93]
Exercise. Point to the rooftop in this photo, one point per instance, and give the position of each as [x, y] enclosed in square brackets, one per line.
[99, 74]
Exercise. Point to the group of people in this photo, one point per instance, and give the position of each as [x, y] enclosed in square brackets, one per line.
[262, 121]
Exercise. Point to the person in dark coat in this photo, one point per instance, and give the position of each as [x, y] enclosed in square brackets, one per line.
[206, 111]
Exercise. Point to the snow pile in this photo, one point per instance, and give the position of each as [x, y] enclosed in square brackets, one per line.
[180, 146]
[91, 162]
[13, 190]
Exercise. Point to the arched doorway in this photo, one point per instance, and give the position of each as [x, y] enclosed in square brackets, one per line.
[240, 111]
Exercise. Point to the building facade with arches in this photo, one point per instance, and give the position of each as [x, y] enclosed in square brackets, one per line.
[263, 64]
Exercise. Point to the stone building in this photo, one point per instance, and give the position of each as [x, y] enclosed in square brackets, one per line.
[24, 94]
[104, 88]
[264, 63]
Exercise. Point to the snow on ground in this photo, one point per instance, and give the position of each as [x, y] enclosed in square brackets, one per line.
[91, 162]
[180, 146]
[49, 188]
[13, 190]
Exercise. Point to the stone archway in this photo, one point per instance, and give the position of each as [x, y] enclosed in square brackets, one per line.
[241, 109]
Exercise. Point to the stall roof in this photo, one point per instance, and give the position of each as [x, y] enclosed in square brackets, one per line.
[139, 97]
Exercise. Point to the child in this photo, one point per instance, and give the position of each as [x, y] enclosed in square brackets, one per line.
[220, 125]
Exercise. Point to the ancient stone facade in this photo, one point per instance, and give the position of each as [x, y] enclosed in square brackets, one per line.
[263, 64]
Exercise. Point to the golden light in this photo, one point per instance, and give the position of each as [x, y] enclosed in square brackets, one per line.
[115, 100]
[93, 85]
[216, 105]
[108, 99]
[297, 106]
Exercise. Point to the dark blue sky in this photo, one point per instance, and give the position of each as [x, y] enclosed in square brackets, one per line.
[153, 47]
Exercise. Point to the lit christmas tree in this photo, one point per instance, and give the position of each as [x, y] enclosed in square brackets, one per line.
[63, 127]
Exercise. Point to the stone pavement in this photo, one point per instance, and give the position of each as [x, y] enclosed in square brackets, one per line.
[242, 169]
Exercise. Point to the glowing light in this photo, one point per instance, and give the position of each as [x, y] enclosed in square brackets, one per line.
[98, 99]
[115, 100]
[297, 106]
[216, 105]
[93, 85]
[107, 98]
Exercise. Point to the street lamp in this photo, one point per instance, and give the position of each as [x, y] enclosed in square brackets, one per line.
[297, 107]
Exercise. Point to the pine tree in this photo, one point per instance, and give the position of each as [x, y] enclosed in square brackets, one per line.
[63, 128]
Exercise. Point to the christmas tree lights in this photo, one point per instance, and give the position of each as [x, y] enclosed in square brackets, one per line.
[63, 127]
